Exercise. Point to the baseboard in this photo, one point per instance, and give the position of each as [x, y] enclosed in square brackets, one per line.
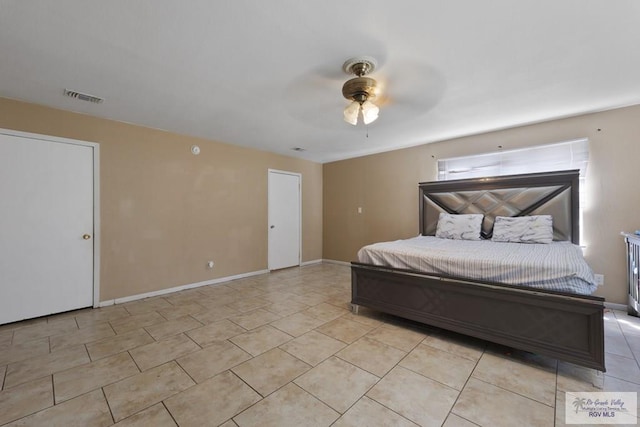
[206, 283]
[312, 262]
[332, 261]
[180, 288]
[614, 306]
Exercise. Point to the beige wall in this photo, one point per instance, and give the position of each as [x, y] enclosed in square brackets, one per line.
[166, 212]
[385, 186]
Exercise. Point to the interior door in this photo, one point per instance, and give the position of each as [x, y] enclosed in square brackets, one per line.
[284, 219]
[46, 227]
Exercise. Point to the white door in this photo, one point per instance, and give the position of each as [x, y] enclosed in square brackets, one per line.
[284, 219]
[46, 227]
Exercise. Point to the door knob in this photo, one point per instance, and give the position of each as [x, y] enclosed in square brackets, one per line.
[273, 226]
[86, 236]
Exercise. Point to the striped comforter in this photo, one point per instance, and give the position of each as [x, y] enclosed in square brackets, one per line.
[557, 266]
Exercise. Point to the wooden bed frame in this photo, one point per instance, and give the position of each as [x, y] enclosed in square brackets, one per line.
[565, 326]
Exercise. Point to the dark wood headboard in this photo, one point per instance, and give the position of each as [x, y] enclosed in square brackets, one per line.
[547, 193]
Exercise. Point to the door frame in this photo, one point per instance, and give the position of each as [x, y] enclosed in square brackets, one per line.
[299, 176]
[96, 196]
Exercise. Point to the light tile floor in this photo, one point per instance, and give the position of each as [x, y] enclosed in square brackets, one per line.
[283, 349]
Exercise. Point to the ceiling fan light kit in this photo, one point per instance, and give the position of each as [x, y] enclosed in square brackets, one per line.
[369, 112]
[360, 90]
[351, 113]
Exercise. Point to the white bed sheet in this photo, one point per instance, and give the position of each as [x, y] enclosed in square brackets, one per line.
[557, 266]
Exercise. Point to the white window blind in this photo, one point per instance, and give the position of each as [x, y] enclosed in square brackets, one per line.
[542, 158]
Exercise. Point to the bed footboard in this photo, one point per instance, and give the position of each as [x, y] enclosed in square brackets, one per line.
[564, 326]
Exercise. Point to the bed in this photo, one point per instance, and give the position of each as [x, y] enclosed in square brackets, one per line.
[558, 323]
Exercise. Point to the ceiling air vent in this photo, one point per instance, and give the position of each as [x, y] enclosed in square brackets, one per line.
[83, 96]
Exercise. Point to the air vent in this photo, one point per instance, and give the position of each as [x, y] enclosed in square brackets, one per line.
[298, 149]
[83, 96]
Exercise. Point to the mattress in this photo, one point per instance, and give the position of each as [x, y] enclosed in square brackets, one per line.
[557, 266]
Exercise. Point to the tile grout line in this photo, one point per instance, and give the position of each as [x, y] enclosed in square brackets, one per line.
[460, 416]
[412, 348]
[358, 399]
[194, 341]
[132, 358]
[114, 331]
[193, 318]
[465, 384]
[247, 384]
[555, 404]
[366, 370]
[280, 388]
[113, 418]
[169, 412]
[515, 392]
[4, 377]
[379, 403]
[256, 391]
[53, 391]
[431, 379]
[61, 403]
[626, 340]
[182, 368]
[377, 382]
[334, 354]
[87, 350]
[337, 339]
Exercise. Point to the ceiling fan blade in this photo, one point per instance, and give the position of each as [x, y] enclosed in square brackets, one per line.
[410, 91]
[416, 83]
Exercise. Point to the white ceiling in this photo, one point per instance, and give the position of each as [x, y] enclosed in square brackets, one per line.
[267, 74]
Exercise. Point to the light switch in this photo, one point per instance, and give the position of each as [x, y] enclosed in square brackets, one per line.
[359, 209]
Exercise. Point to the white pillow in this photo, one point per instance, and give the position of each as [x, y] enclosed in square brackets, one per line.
[459, 227]
[523, 229]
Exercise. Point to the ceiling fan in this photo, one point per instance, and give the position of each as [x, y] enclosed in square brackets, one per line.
[360, 90]
[403, 90]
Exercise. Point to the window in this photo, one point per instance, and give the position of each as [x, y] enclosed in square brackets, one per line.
[542, 158]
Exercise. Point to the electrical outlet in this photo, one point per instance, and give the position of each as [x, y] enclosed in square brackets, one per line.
[599, 279]
[210, 264]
